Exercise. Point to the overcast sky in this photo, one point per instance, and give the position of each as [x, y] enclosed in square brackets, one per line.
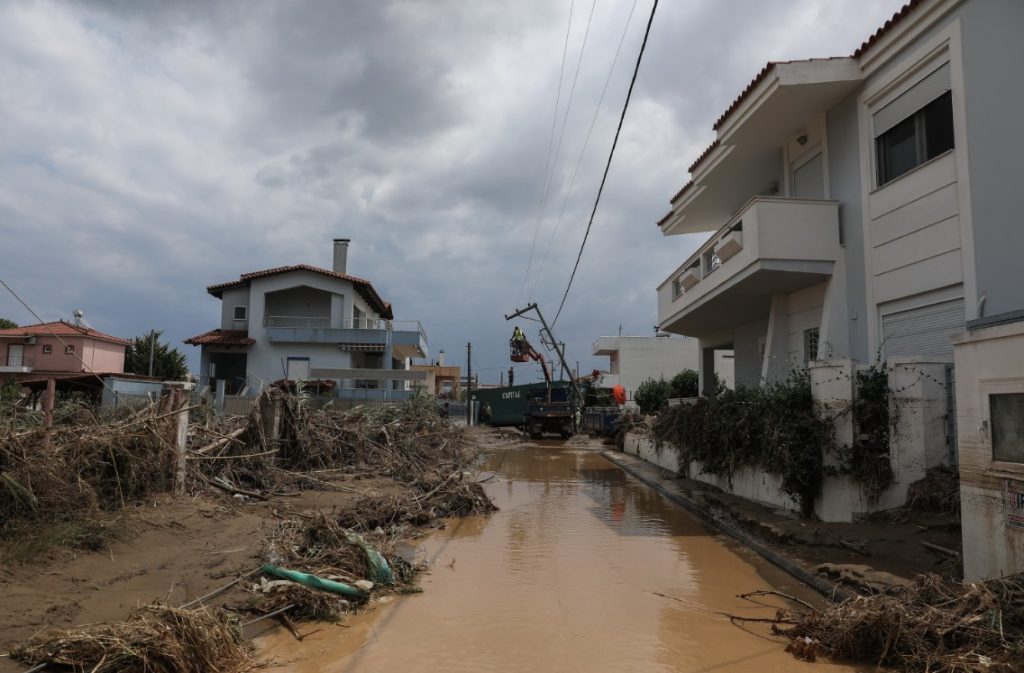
[149, 149]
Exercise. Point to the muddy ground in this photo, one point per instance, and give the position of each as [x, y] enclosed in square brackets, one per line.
[173, 550]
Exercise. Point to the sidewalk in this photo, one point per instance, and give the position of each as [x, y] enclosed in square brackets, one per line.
[856, 551]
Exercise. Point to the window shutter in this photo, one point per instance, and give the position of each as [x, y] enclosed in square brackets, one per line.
[915, 98]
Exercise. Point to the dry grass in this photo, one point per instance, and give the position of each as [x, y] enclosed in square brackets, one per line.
[931, 625]
[155, 639]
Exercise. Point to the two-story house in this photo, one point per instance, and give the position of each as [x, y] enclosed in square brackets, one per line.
[299, 323]
[861, 206]
[59, 347]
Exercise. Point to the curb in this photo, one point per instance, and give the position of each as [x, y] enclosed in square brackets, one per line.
[718, 522]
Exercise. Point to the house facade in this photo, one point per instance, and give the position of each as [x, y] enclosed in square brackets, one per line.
[857, 210]
[301, 323]
[59, 347]
[635, 359]
[858, 207]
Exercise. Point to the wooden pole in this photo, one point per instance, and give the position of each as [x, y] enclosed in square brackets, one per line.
[180, 402]
[51, 393]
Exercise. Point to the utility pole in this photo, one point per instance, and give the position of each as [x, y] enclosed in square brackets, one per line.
[469, 382]
[152, 341]
[561, 372]
[554, 343]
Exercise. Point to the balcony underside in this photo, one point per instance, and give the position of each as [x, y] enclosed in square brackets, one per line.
[746, 296]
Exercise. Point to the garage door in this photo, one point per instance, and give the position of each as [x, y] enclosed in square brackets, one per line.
[923, 331]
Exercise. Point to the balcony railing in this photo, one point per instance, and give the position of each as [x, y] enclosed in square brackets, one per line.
[297, 321]
[389, 325]
[18, 361]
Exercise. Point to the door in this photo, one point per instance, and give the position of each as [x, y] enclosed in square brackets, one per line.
[15, 355]
[298, 369]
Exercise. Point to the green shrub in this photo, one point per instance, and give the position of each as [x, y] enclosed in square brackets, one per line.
[652, 396]
[773, 428]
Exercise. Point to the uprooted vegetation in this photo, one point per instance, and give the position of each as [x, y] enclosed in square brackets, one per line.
[86, 472]
[930, 624]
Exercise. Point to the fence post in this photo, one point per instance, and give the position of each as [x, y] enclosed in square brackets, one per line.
[180, 402]
[270, 419]
[219, 393]
[51, 393]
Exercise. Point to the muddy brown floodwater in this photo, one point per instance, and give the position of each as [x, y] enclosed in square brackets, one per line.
[565, 577]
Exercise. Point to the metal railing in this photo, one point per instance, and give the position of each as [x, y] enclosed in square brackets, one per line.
[297, 321]
[18, 361]
[392, 325]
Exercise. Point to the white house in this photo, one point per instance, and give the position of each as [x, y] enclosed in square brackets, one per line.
[862, 208]
[634, 359]
[303, 322]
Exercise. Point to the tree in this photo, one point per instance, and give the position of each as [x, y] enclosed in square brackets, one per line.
[652, 395]
[7, 324]
[685, 384]
[168, 363]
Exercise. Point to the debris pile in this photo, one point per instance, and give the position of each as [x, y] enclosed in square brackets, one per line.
[938, 493]
[95, 464]
[156, 639]
[929, 625]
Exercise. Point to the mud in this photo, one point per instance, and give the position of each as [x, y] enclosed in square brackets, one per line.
[583, 568]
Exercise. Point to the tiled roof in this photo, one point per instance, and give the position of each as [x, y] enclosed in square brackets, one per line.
[363, 287]
[903, 12]
[61, 328]
[222, 337]
[889, 25]
[704, 155]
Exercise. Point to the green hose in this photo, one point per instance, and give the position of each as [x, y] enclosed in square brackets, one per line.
[314, 582]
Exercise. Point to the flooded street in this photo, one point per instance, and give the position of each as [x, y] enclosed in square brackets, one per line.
[566, 576]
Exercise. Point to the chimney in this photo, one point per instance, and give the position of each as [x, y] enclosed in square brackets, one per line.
[341, 255]
[440, 359]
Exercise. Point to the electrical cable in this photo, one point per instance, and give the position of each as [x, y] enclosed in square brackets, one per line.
[608, 165]
[547, 160]
[586, 142]
[550, 176]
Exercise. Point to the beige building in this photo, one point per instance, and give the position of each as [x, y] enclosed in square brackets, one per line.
[442, 380]
[635, 359]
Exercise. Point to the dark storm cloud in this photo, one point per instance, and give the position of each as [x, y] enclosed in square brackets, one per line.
[148, 149]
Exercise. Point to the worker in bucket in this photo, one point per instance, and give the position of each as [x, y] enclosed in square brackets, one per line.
[518, 340]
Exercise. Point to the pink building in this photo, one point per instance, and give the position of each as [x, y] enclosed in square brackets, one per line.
[60, 347]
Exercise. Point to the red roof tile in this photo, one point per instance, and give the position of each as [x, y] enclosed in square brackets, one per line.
[61, 328]
[363, 287]
[889, 25]
[682, 191]
[221, 337]
[704, 155]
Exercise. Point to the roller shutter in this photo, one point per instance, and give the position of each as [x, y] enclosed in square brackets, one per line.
[923, 331]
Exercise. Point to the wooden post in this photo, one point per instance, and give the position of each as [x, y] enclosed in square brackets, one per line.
[270, 419]
[51, 393]
[180, 401]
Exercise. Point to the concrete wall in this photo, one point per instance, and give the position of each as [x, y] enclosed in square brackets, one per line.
[994, 95]
[238, 296]
[845, 187]
[114, 387]
[988, 361]
[747, 357]
[307, 302]
[803, 312]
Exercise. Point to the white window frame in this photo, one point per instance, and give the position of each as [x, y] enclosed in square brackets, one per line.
[245, 313]
[989, 387]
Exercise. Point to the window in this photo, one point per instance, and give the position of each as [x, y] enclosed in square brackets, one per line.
[47, 349]
[241, 312]
[69, 350]
[677, 287]
[914, 128]
[1007, 412]
[811, 337]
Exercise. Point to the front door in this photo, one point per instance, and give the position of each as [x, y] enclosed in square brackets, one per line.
[15, 355]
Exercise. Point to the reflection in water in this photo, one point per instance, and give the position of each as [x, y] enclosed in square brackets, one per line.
[564, 577]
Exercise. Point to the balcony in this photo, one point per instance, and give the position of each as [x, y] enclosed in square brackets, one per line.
[771, 246]
[407, 338]
[16, 364]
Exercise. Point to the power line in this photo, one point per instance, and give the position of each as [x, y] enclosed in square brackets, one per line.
[550, 176]
[586, 142]
[547, 159]
[608, 165]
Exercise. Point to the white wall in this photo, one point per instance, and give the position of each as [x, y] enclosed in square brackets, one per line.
[803, 311]
[988, 361]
